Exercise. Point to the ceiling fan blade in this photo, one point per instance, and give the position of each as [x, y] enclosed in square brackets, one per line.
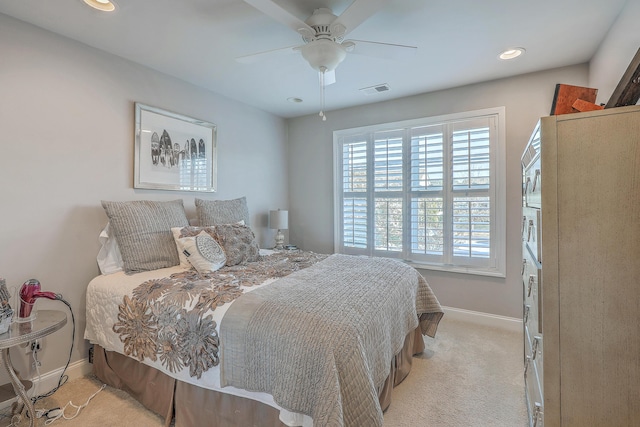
[382, 50]
[281, 15]
[358, 12]
[329, 77]
[255, 57]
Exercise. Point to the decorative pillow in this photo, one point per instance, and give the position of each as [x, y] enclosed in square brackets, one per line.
[188, 231]
[203, 252]
[239, 243]
[217, 212]
[109, 257]
[143, 231]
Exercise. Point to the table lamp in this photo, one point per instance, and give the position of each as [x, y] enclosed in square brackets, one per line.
[279, 220]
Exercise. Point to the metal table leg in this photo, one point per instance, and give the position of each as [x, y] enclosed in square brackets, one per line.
[17, 385]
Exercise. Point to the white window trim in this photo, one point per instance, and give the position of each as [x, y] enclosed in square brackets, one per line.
[498, 183]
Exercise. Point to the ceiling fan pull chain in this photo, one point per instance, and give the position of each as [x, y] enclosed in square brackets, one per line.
[322, 71]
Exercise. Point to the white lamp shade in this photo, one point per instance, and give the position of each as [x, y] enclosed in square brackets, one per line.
[279, 220]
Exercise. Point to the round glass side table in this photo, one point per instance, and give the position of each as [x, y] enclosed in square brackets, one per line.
[45, 323]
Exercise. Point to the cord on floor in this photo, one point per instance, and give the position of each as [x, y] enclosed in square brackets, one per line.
[57, 413]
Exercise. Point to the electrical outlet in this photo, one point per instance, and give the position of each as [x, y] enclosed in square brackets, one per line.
[32, 346]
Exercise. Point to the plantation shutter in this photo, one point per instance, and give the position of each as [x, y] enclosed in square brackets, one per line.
[388, 177]
[424, 192]
[354, 187]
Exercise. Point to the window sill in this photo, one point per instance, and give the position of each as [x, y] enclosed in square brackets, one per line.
[457, 269]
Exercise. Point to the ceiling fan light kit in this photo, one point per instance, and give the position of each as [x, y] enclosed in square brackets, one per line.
[323, 55]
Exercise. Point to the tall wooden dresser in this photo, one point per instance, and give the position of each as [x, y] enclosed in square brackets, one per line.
[581, 269]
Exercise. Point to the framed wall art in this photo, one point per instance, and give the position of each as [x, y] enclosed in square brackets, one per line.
[173, 152]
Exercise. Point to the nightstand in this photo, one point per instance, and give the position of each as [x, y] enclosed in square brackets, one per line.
[45, 323]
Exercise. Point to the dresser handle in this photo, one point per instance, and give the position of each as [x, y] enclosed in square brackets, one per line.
[537, 413]
[526, 365]
[527, 308]
[529, 230]
[535, 180]
[530, 285]
[524, 265]
[534, 350]
[524, 225]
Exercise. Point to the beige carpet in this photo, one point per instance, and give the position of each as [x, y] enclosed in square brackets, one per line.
[468, 376]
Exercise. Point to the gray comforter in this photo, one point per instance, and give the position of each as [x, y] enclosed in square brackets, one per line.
[321, 340]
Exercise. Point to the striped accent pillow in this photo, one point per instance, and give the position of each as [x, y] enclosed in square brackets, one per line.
[218, 212]
[143, 231]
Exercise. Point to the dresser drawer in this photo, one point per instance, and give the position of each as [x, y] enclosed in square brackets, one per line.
[530, 321]
[532, 183]
[532, 292]
[534, 395]
[531, 277]
[532, 231]
[533, 349]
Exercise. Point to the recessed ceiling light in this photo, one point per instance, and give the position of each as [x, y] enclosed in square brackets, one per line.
[102, 5]
[512, 53]
[294, 100]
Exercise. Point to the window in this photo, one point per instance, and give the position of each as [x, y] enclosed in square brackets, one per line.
[429, 191]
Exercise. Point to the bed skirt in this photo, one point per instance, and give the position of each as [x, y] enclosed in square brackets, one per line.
[195, 406]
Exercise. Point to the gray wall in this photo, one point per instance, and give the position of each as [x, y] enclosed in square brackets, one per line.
[616, 52]
[526, 98]
[66, 131]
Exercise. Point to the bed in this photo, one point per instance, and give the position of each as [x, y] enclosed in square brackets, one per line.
[262, 338]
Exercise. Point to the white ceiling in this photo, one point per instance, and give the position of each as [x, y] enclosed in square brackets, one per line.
[458, 42]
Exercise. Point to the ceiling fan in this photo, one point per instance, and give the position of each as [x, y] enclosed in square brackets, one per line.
[323, 34]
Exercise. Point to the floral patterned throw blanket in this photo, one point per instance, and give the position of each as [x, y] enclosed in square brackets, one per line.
[170, 319]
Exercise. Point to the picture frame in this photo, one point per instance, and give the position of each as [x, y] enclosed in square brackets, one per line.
[173, 151]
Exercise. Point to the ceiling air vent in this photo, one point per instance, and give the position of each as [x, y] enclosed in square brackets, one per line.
[375, 89]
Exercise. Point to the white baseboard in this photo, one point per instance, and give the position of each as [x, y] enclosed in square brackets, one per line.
[485, 319]
[48, 381]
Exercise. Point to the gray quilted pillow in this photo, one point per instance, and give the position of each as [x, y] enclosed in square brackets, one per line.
[143, 232]
[217, 212]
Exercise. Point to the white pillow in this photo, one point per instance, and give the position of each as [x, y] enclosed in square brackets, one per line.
[109, 257]
[188, 231]
[203, 252]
